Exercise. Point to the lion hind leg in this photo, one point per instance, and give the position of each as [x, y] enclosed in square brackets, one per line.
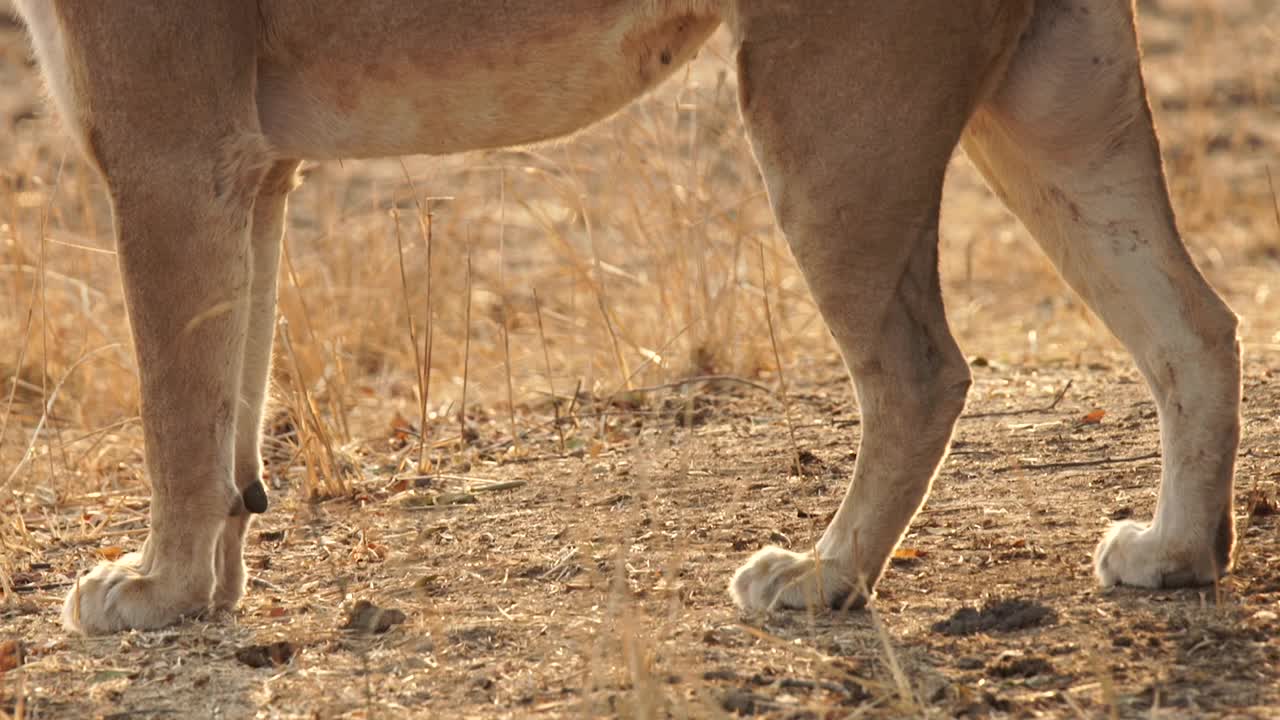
[854, 161]
[1067, 141]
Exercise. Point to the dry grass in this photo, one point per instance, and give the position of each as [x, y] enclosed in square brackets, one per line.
[546, 292]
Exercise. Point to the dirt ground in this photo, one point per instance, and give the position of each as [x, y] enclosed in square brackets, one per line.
[595, 585]
[579, 568]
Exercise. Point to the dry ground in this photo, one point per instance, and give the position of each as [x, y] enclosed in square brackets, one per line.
[568, 557]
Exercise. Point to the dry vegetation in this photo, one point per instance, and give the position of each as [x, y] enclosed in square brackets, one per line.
[533, 400]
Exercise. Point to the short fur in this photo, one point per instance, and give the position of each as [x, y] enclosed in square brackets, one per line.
[197, 114]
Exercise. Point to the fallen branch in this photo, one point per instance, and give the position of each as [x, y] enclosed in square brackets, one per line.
[702, 379]
[1007, 413]
[493, 486]
[1080, 463]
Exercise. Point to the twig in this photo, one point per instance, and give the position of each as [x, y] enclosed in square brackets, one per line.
[502, 294]
[705, 378]
[1057, 398]
[442, 476]
[329, 483]
[601, 302]
[546, 357]
[777, 358]
[408, 312]
[562, 420]
[1275, 201]
[573, 401]
[425, 225]
[474, 484]
[498, 486]
[428, 342]
[1080, 463]
[44, 320]
[612, 413]
[466, 354]
[662, 349]
[47, 410]
[17, 368]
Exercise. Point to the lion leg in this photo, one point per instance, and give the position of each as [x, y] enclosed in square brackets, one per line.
[1067, 141]
[182, 160]
[268, 229]
[854, 160]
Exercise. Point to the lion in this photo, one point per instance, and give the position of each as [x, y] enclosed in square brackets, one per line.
[197, 114]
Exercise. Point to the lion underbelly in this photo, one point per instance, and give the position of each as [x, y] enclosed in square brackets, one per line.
[362, 84]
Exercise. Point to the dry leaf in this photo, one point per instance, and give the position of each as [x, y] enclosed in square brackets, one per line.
[399, 424]
[10, 655]
[402, 430]
[110, 553]
[907, 555]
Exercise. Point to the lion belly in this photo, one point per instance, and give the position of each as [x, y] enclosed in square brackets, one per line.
[342, 79]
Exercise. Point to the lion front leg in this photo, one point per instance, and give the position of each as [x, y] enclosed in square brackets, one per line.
[185, 267]
[854, 160]
[182, 161]
[267, 232]
[185, 270]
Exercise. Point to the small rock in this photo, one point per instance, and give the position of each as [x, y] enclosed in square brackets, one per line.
[1011, 666]
[366, 617]
[1040, 681]
[997, 615]
[742, 702]
[1122, 513]
[269, 655]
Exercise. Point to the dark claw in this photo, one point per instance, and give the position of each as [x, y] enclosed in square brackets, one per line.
[255, 498]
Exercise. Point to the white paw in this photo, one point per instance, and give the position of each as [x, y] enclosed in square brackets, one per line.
[776, 578]
[1133, 554]
[118, 596]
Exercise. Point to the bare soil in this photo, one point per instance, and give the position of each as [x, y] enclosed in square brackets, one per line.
[595, 585]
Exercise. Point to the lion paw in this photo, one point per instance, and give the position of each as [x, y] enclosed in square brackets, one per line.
[777, 578]
[1132, 554]
[119, 596]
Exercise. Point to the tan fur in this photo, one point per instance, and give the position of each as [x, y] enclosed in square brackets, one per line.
[197, 113]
